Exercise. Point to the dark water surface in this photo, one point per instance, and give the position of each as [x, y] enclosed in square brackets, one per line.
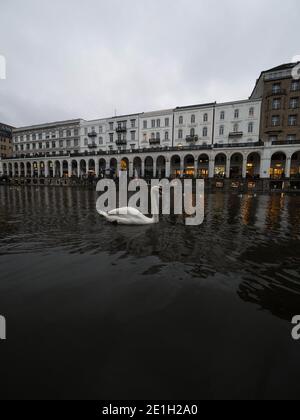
[162, 312]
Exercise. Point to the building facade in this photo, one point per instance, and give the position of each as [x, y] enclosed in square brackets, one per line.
[193, 125]
[236, 140]
[280, 95]
[51, 139]
[6, 146]
[237, 123]
[123, 133]
[156, 129]
[93, 136]
[279, 91]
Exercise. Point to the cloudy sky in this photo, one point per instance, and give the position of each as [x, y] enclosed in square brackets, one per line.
[92, 58]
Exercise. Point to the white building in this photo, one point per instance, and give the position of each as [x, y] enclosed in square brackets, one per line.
[237, 122]
[156, 129]
[122, 133]
[47, 139]
[94, 135]
[193, 125]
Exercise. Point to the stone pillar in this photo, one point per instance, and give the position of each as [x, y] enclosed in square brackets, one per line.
[46, 169]
[168, 168]
[78, 169]
[130, 169]
[39, 169]
[244, 171]
[181, 166]
[143, 169]
[25, 169]
[69, 168]
[97, 167]
[265, 166]
[288, 167]
[196, 168]
[13, 169]
[228, 164]
[211, 169]
[154, 167]
[118, 169]
[61, 168]
[53, 171]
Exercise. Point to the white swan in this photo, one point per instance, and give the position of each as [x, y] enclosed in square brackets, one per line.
[132, 216]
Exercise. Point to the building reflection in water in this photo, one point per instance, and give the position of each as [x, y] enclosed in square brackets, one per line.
[249, 244]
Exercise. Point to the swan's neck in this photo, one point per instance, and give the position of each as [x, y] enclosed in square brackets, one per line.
[155, 206]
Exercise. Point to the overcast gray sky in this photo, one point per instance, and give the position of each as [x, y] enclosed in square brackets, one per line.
[86, 58]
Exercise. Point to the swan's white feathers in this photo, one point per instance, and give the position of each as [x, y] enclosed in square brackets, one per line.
[132, 216]
[125, 211]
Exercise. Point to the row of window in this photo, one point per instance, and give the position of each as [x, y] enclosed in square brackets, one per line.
[293, 103]
[290, 137]
[193, 119]
[4, 147]
[156, 123]
[123, 137]
[156, 136]
[47, 136]
[277, 87]
[237, 113]
[192, 133]
[277, 121]
[222, 116]
[119, 125]
[47, 145]
[236, 128]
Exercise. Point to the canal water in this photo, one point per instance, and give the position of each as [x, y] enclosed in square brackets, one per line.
[99, 311]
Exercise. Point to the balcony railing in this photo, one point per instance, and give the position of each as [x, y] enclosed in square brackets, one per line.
[154, 141]
[142, 150]
[121, 142]
[284, 142]
[92, 146]
[237, 145]
[191, 139]
[236, 134]
[274, 129]
[92, 134]
[121, 129]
